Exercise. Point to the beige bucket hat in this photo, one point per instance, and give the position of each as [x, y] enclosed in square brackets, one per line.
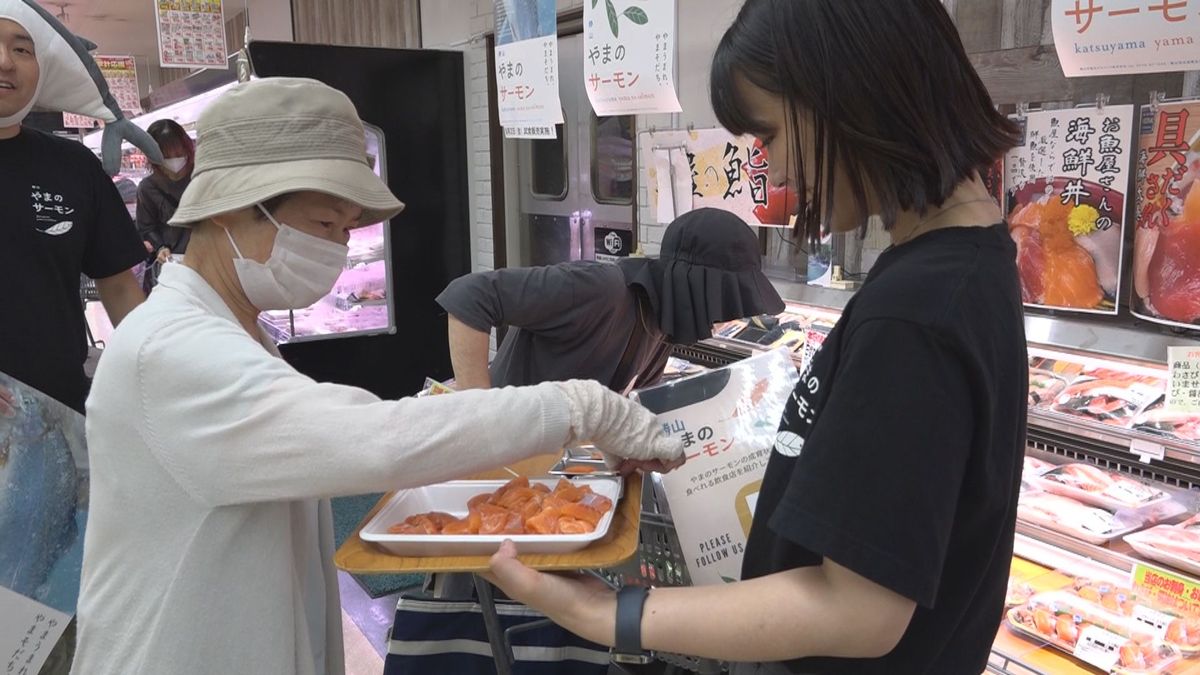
[268, 137]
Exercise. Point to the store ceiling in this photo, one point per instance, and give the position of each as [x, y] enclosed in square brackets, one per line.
[119, 27]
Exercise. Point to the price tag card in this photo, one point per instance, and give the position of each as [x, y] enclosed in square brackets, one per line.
[1147, 450]
[1183, 387]
[1099, 647]
[1152, 621]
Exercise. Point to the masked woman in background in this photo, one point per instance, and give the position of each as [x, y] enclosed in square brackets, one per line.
[209, 544]
[159, 193]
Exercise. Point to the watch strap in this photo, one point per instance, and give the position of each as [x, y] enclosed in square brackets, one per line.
[630, 602]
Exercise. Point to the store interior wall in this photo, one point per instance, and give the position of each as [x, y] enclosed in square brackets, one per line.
[127, 28]
[362, 23]
[1010, 43]
[446, 25]
[463, 25]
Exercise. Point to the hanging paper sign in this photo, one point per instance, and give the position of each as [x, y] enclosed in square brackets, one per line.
[121, 74]
[1166, 250]
[727, 421]
[1121, 37]
[726, 172]
[527, 68]
[629, 56]
[43, 512]
[1066, 206]
[191, 34]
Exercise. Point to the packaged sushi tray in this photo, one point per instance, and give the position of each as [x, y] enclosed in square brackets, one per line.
[1175, 545]
[1049, 377]
[1109, 397]
[1035, 467]
[1092, 524]
[1159, 421]
[1103, 625]
[1099, 487]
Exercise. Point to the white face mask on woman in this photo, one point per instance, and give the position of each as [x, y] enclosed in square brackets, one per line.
[175, 164]
[302, 269]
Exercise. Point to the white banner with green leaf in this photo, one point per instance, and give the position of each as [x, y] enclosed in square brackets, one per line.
[629, 56]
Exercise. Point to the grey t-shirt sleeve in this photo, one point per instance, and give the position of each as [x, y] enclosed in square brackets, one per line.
[533, 298]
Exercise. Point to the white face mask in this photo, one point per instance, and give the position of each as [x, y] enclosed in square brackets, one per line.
[175, 164]
[302, 269]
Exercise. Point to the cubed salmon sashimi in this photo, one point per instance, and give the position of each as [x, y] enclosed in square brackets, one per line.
[518, 508]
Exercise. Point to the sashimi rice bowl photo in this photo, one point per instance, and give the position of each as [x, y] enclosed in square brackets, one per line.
[1068, 236]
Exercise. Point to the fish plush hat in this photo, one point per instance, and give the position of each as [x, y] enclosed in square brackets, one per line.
[72, 82]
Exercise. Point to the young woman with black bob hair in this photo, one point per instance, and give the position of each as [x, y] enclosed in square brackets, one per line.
[883, 533]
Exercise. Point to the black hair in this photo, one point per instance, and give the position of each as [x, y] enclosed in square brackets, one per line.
[172, 138]
[888, 91]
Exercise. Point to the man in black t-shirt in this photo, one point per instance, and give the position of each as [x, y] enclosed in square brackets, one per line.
[63, 218]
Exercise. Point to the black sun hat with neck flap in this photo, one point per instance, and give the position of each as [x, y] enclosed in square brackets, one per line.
[709, 270]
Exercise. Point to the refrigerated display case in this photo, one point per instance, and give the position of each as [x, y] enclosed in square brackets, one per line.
[1111, 485]
[415, 102]
[361, 301]
[416, 144]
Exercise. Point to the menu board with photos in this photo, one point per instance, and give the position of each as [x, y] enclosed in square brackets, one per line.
[1066, 185]
[1166, 251]
[191, 34]
[121, 74]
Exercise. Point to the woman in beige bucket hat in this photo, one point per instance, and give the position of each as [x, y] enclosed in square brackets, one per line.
[210, 537]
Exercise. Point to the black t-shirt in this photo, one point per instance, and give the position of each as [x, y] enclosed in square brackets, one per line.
[899, 454]
[63, 217]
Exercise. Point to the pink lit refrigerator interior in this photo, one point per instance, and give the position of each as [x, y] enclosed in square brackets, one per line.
[360, 303]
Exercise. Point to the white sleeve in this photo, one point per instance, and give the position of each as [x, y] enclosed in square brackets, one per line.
[233, 424]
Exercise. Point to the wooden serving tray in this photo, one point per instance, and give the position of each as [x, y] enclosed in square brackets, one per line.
[619, 545]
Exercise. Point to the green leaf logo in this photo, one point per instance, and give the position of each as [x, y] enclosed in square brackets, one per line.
[637, 15]
[612, 18]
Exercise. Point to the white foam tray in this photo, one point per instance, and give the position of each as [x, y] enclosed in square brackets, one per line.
[452, 498]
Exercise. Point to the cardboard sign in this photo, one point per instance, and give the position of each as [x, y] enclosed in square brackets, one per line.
[727, 420]
[43, 514]
[28, 632]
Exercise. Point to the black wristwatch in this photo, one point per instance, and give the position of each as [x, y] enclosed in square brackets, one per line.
[628, 648]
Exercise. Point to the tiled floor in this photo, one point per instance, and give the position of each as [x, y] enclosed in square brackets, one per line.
[365, 627]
